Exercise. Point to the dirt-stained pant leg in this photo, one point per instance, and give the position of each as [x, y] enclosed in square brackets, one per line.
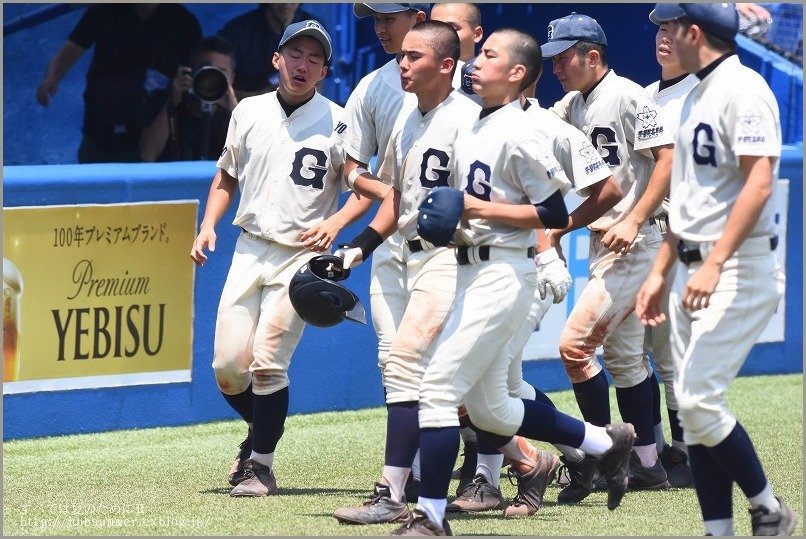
[710, 345]
[606, 301]
[494, 300]
[432, 282]
[388, 294]
[257, 329]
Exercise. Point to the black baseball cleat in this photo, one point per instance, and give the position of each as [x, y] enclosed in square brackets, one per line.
[236, 473]
[647, 478]
[581, 478]
[678, 470]
[421, 526]
[765, 522]
[615, 463]
[379, 509]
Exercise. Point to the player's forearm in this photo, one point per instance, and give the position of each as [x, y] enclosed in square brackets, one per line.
[666, 257]
[385, 221]
[657, 188]
[354, 208]
[364, 182]
[222, 192]
[155, 136]
[746, 211]
[603, 197]
[517, 215]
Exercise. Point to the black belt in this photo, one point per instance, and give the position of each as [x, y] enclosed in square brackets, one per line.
[415, 246]
[484, 254]
[691, 253]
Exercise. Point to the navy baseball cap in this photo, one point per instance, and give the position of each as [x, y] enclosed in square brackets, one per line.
[720, 20]
[308, 28]
[565, 32]
[440, 213]
[365, 10]
[665, 13]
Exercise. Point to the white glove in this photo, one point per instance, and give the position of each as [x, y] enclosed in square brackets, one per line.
[552, 271]
[352, 256]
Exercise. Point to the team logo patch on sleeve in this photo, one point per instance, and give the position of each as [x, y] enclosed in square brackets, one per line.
[649, 126]
[593, 161]
[749, 127]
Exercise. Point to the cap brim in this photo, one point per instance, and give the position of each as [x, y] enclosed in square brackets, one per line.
[365, 10]
[665, 13]
[553, 48]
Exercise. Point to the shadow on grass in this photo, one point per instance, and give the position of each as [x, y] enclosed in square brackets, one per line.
[292, 491]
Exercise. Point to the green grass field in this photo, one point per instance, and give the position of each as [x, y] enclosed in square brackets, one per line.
[172, 481]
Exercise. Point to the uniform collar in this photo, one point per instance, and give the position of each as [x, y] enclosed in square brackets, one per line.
[707, 70]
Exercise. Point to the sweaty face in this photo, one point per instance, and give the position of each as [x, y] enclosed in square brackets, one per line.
[301, 64]
[570, 71]
[456, 16]
[492, 67]
[391, 28]
[419, 65]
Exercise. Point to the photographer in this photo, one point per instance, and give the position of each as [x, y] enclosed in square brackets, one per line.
[191, 123]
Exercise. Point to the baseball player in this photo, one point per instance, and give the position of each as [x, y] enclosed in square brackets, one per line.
[627, 128]
[280, 155]
[465, 18]
[593, 180]
[669, 93]
[510, 186]
[728, 282]
[417, 160]
[370, 114]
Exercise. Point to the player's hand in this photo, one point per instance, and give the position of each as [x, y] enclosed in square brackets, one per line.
[352, 256]
[552, 272]
[46, 90]
[621, 236]
[320, 237]
[205, 239]
[649, 299]
[700, 286]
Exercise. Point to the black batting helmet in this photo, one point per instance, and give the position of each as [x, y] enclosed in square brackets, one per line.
[319, 299]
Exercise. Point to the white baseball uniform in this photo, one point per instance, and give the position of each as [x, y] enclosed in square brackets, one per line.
[370, 115]
[500, 159]
[730, 113]
[657, 340]
[418, 158]
[584, 167]
[289, 173]
[623, 124]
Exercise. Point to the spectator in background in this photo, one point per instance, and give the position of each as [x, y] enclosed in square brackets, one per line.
[192, 123]
[137, 50]
[254, 37]
[754, 20]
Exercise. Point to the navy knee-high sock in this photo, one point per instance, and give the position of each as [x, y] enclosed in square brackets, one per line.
[635, 405]
[270, 413]
[439, 448]
[242, 403]
[547, 424]
[739, 459]
[593, 399]
[657, 416]
[402, 434]
[713, 484]
[542, 397]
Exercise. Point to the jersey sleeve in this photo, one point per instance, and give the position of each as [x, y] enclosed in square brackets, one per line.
[645, 125]
[228, 161]
[562, 108]
[358, 134]
[389, 171]
[753, 125]
[583, 165]
[538, 171]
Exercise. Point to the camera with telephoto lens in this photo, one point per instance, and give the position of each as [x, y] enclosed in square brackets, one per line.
[210, 84]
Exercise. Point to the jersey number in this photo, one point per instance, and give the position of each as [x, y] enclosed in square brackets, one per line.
[309, 168]
[704, 148]
[434, 165]
[478, 181]
[604, 138]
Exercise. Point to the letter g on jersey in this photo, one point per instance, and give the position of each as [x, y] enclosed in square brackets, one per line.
[309, 172]
[704, 148]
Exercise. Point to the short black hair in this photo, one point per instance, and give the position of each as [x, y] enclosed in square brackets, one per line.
[584, 47]
[442, 37]
[525, 50]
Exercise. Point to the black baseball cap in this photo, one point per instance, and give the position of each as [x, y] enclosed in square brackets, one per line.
[365, 10]
[720, 20]
[566, 31]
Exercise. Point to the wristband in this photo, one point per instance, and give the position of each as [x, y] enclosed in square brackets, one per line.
[549, 255]
[367, 241]
[357, 171]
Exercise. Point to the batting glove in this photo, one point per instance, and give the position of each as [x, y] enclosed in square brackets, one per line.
[551, 271]
[352, 256]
